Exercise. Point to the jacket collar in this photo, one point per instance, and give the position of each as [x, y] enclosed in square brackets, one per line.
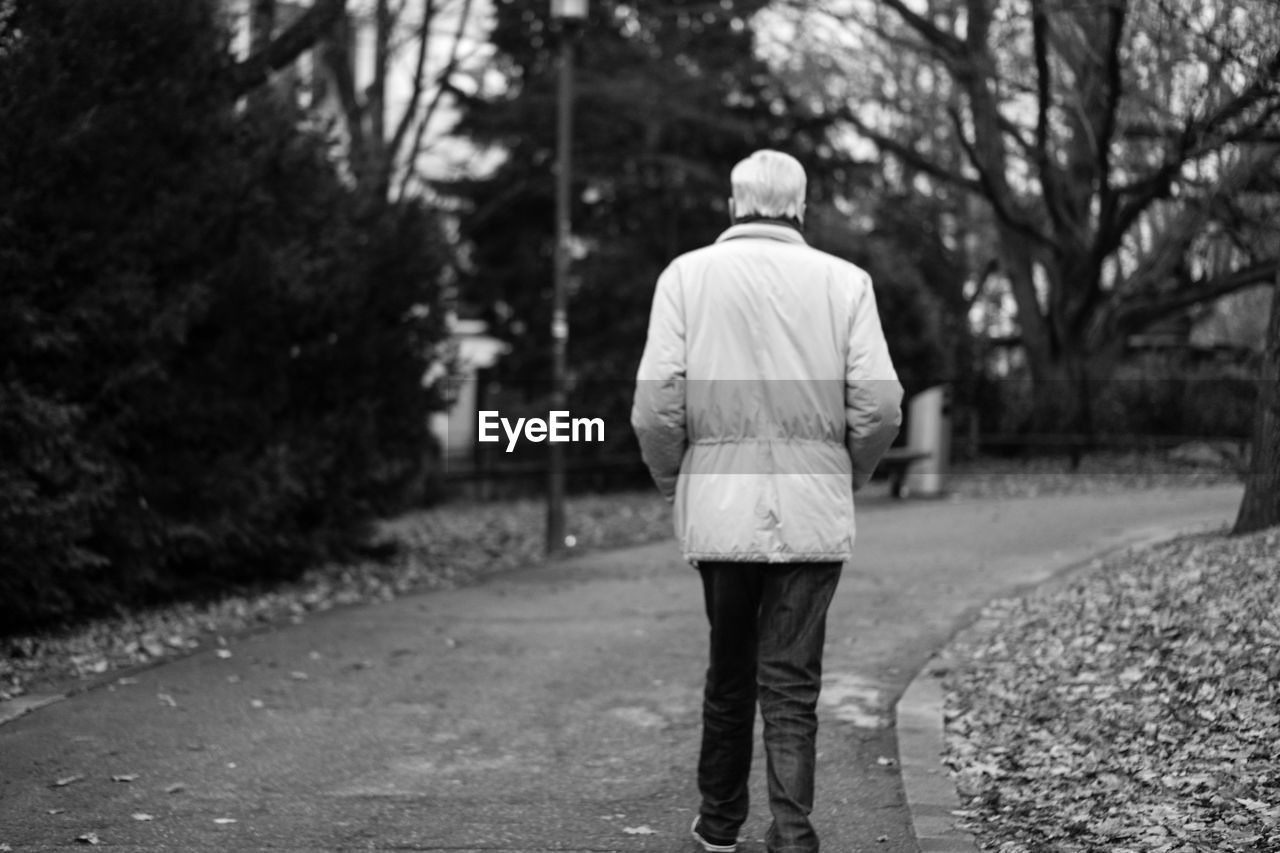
[763, 230]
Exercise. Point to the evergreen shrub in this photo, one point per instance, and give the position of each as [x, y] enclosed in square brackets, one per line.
[211, 347]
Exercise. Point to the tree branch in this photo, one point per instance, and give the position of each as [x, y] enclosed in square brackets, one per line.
[989, 270]
[300, 37]
[947, 44]
[1111, 104]
[411, 109]
[1015, 133]
[1140, 312]
[996, 194]
[1044, 100]
[455, 57]
[335, 56]
[1194, 140]
[376, 99]
[262, 24]
[909, 155]
[1148, 132]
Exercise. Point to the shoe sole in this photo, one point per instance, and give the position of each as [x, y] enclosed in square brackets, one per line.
[707, 845]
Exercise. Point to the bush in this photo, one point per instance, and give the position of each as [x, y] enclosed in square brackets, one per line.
[213, 348]
[52, 490]
[1174, 395]
[1149, 396]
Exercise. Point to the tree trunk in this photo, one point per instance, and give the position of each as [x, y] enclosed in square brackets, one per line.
[1062, 403]
[1261, 505]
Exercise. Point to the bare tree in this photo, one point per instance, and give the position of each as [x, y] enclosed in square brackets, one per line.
[414, 52]
[389, 67]
[1112, 142]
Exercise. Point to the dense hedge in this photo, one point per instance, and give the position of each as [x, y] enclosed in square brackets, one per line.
[211, 347]
[1173, 395]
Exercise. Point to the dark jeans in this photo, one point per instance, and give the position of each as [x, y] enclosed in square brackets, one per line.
[768, 624]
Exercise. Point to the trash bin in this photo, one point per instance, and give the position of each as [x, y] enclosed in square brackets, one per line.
[929, 430]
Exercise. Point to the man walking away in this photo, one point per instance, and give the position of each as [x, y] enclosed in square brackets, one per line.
[765, 397]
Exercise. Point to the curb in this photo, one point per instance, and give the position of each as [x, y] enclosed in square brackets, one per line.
[930, 794]
[12, 709]
[65, 688]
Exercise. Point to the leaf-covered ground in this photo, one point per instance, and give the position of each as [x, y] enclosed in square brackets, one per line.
[445, 547]
[457, 543]
[1133, 709]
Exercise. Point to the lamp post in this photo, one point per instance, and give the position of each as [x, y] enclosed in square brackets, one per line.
[567, 16]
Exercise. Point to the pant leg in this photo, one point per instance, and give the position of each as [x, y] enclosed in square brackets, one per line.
[792, 629]
[732, 595]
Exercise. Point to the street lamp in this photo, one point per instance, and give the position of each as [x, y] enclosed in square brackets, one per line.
[566, 16]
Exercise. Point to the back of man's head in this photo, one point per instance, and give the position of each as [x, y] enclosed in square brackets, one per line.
[768, 184]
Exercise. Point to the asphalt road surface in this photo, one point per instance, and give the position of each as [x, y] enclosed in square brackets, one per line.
[555, 708]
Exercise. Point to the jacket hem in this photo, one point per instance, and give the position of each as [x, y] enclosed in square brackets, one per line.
[767, 557]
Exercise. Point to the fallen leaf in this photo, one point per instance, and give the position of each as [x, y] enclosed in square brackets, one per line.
[298, 676]
[223, 653]
[143, 816]
[124, 777]
[89, 838]
[1126, 710]
[66, 780]
[126, 681]
[885, 761]
[166, 699]
[56, 811]
[176, 788]
[257, 703]
[224, 820]
[639, 830]
[445, 546]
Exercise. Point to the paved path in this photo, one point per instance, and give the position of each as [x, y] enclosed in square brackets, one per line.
[550, 709]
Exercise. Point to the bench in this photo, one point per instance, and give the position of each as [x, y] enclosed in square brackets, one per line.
[895, 463]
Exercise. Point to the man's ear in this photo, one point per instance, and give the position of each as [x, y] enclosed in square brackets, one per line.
[800, 213]
[733, 216]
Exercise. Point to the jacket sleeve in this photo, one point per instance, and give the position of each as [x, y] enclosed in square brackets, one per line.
[658, 410]
[873, 395]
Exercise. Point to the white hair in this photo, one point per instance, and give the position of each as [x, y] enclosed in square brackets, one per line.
[768, 183]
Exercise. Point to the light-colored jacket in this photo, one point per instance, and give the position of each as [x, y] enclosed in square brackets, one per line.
[765, 396]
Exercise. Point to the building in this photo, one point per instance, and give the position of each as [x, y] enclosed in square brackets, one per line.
[456, 428]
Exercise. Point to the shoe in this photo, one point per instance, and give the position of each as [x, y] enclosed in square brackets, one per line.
[716, 846]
